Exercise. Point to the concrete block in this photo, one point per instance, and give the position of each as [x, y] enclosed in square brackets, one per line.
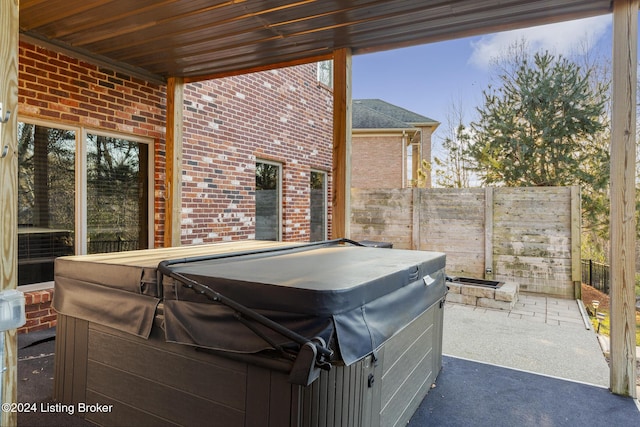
[491, 303]
[462, 299]
[507, 292]
[454, 288]
[470, 300]
[478, 291]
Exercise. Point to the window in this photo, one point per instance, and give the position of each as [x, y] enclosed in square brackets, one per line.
[268, 201]
[318, 204]
[46, 199]
[117, 194]
[77, 198]
[325, 73]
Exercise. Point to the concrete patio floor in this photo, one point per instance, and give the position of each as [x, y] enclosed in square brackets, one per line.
[543, 335]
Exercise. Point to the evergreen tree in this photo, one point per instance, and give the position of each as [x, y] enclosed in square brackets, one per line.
[545, 125]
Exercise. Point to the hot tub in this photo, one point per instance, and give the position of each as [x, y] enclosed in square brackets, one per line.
[250, 333]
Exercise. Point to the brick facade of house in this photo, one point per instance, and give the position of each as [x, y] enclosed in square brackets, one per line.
[281, 115]
[378, 160]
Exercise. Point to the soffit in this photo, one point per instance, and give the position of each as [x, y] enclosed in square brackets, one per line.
[196, 38]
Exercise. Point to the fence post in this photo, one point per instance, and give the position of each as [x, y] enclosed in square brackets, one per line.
[590, 272]
[489, 274]
[415, 224]
[576, 265]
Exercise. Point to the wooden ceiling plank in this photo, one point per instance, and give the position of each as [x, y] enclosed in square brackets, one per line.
[193, 56]
[187, 23]
[192, 52]
[216, 28]
[230, 35]
[269, 48]
[156, 19]
[112, 16]
[195, 41]
[186, 46]
[25, 5]
[54, 10]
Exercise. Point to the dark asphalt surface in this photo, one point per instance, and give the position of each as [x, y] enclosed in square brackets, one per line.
[35, 383]
[466, 393]
[469, 393]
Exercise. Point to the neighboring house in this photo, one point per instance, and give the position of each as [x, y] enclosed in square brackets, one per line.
[256, 162]
[387, 145]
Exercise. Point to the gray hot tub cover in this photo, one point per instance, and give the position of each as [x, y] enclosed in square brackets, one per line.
[354, 296]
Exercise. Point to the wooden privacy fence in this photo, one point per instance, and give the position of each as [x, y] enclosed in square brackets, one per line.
[530, 235]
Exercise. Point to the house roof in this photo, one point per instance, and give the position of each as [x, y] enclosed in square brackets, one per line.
[378, 114]
[198, 39]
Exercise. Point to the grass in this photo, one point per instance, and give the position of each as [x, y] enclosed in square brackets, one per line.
[590, 294]
[605, 325]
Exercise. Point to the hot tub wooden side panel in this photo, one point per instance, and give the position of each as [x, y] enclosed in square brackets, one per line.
[411, 361]
[340, 397]
[70, 373]
[385, 392]
[151, 382]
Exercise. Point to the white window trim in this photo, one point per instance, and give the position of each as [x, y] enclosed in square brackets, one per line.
[318, 77]
[81, 194]
[150, 180]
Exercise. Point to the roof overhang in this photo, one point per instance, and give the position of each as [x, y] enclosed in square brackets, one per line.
[401, 134]
[198, 39]
[385, 130]
[433, 125]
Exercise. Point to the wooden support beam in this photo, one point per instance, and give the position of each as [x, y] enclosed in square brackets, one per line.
[341, 143]
[623, 160]
[173, 178]
[9, 28]
[257, 69]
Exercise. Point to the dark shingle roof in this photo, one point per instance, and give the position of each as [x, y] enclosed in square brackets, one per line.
[378, 114]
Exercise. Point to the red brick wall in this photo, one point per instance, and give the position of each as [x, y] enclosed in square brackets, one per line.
[281, 115]
[376, 161]
[38, 311]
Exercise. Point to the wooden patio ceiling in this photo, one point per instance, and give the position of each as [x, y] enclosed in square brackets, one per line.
[207, 38]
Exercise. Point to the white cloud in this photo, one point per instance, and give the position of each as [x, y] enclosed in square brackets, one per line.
[559, 38]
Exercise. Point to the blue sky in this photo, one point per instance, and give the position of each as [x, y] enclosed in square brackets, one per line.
[428, 79]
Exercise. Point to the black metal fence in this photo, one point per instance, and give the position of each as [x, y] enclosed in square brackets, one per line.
[596, 274]
[104, 246]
